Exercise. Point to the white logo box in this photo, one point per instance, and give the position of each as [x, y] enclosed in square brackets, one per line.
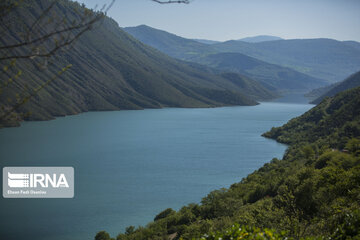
[38, 182]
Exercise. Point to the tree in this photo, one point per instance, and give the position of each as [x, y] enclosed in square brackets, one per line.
[164, 214]
[102, 236]
[129, 230]
[353, 145]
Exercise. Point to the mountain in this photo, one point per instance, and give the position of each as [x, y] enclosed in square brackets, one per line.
[260, 38]
[111, 70]
[326, 59]
[317, 92]
[249, 87]
[206, 41]
[333, 121]
[321, 58]
[350, 82]
[312, 193]
[271, 75]
[168, 43]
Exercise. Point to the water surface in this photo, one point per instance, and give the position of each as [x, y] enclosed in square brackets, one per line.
[130, 165]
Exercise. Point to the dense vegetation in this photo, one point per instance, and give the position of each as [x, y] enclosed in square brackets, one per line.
[168, 43]
[331, 123]
[111, 70]
[313, 191]
[272, 76]
[350, 82]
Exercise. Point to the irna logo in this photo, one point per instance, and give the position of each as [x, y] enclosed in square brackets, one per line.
[38, 182]
[21, 180]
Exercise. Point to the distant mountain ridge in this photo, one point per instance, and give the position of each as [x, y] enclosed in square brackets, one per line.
[322, 58]
[260, 38]
[274, 77]
[205, 41]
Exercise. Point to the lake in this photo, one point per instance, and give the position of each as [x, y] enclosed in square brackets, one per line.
[130, 165]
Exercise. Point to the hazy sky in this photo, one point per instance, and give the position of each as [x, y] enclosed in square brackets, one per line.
[234, 19]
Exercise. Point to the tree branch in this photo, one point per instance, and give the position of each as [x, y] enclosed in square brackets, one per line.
[82, 27]
[166, 2]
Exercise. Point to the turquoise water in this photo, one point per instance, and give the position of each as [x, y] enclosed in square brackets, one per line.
[130, 165]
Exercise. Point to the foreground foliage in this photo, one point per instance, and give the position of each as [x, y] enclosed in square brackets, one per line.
[313, 191]
[244, 232]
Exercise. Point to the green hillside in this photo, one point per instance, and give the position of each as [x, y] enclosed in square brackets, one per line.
[110, 71]
[332, 122]
[326, 59]
[350, 82]
[317, 92]
[239, 83]
[168, 43]
[312, 192]
[274, 77]
[249, 87]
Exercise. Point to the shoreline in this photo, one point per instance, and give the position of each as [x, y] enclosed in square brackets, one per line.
[18, 123]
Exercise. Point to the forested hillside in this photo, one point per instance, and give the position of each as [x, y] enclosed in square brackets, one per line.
[312, 192]
[350, 82]
[110, 71]
[170, 44]
[332, 122]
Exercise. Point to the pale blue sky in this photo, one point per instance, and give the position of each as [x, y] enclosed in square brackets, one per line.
[235, 19]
